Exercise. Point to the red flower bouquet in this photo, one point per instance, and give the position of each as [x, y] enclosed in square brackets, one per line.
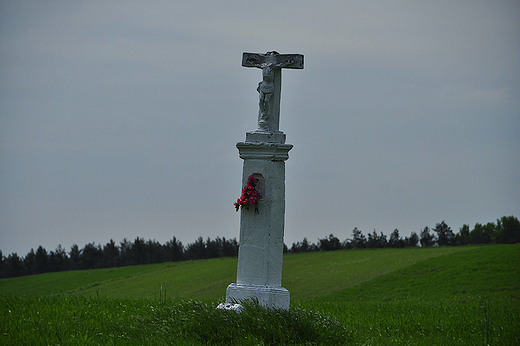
[250, 195]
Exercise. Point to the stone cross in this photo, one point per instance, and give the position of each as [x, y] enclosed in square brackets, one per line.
[269, 89]
[260, 255]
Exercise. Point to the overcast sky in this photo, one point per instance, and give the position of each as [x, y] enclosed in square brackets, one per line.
[119, 119]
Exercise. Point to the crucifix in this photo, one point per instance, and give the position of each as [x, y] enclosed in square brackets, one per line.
[269, 89]
[260, 255]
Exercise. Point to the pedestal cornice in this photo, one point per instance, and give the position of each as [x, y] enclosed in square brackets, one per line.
[264, 151]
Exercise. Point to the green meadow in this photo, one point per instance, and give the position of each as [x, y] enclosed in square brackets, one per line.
[412, 296]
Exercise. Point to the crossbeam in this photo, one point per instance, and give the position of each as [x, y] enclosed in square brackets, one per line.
[273, 60]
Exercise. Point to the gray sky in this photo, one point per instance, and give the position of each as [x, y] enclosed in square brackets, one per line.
[120, 118]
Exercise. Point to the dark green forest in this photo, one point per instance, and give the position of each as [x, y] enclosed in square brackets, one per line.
[506, 230]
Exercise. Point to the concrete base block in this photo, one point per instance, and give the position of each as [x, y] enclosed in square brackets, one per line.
[268, 297]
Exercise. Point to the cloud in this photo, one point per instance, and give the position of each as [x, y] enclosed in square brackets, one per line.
[120, 119]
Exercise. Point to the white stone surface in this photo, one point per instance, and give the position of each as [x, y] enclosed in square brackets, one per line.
[260, 255]
[269, 297]
[269, 89]
[265, 137]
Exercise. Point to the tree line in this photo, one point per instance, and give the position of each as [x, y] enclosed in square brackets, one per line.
[126, 253]
[505, 231]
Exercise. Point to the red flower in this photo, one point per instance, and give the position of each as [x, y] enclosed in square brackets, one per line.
[250, 195]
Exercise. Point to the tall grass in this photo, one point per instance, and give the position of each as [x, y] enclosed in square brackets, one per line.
[77, 320]
[420, 322]
[101, 321]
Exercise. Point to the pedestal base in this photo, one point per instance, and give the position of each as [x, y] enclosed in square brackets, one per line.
[269, 297]
[265, 137]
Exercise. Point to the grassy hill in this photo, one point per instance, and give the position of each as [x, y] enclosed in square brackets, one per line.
[337, 275]
[424, 296]
[490, 271]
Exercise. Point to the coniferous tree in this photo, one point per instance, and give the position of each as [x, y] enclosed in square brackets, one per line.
[395, 240]
[138, 253]
[174, 250]
[358, 239]
[13, 266]
[213, 247]
[490, 228]
[507, 230]
[382, 241]
[413, 241]
[295, 248]
[111, 255]
[304, 246]
[42, 260]
[125, 250]
[480, 235]
[196, 250]
[445, 235]
[53, 262]
[2, 265]
[372, 240]
[30, 263]
[91, 256]
[59, 259]
[230, 247]
[74, 256]
[463, 236]
[330, 244]
[427, 239]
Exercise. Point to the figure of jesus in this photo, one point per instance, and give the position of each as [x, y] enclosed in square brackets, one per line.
[265, 92]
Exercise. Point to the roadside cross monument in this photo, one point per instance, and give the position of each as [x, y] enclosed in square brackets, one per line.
[260, 256]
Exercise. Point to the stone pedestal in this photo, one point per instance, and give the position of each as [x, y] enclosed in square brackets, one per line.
[260, 256]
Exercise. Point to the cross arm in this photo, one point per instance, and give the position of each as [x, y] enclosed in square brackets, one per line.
[273, 60]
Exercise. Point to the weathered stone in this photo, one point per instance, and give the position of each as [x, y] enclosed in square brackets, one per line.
[260, 256]
[269, 89]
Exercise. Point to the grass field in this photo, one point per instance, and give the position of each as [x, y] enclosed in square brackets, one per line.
[423, 296]
[306, 276]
